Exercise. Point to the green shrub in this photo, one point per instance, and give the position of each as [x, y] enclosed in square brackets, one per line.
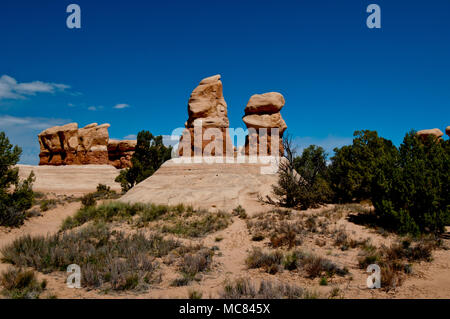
[21, 284]
[150, 153]
[47, 204]
[412, 195]
[13, 204]
[88, 200]
[354, 167]
[240, 212]
[303, 180]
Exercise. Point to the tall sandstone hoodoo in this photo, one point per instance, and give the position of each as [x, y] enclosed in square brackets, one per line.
[263, 112]
[68, 145]
[207, 109]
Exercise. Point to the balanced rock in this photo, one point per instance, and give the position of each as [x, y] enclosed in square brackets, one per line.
[207, 110]
[68, 145]
[262, 114]
[434, 132]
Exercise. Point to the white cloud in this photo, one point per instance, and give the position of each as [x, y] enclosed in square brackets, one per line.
[121, 106]
[130, 137]
[11, 89]
[23, 131]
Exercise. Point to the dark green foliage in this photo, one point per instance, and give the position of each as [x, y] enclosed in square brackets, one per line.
[412, 195]
[303, 180]
[149, 155]
[354, 166]
[312, 167]
[15, 196]
[88, 200]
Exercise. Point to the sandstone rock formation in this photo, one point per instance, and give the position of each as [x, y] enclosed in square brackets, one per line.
[207, 109]
[263, 112]
[447, 131]
[68, 145]
[425, 133]
[120, 152]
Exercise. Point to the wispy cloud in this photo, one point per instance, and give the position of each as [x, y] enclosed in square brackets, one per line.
[11, 89]
[130, 137]
[23, 131]
[121, 106]
[95, 108]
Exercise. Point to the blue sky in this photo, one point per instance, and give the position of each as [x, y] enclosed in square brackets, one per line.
[337, 75]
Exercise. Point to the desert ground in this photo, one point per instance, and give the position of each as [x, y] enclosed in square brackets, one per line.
[223, 187]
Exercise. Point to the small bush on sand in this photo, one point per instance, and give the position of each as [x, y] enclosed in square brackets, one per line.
[194, 294]
[47, 204]
[21, 284]
[395, 261]
[314, 266]
[88, 200]
[240, 212]
[244, 289]
[270, 262]
[192, 264]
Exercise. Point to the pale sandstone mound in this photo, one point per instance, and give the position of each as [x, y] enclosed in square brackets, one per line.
[68, 180]
[68, 145]
[263, 112]
[210, 186]
[207, 109]
[425, 133]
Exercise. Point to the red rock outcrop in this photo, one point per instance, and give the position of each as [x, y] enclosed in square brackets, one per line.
[68, 145]
[263, 112]
[207, 109]
[120, 152]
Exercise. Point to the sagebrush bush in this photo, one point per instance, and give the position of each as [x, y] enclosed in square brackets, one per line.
[244, 289]
[21, 284]
[108, 259]
[269, 261]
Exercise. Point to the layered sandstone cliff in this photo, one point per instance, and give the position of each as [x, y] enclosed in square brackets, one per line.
[69, 145]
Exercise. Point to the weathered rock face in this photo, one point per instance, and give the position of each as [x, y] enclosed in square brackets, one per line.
[207, 109]
[120, 152]
[263, 112]
[68, 145]
[425, 133]
[447, 131]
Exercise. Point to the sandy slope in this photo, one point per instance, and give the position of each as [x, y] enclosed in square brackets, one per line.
[210, 186]
[68, 180]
